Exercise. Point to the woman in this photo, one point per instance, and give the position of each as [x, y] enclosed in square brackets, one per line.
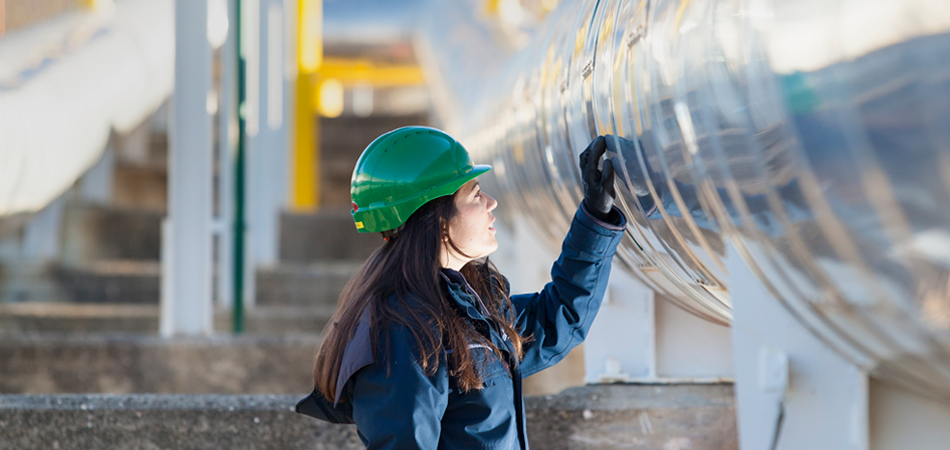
[427, 349]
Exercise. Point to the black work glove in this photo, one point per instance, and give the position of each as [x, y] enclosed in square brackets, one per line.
[635, 179]
[599, 190]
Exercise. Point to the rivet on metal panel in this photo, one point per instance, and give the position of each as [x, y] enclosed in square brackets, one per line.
[588, 69]
[634, 36]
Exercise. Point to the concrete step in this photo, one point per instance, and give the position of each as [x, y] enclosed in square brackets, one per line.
[135, 363]
[143, 187]
[139, 281]
[639, 417]
[146, 146]
[324, 236]
[111, 281]
[106, 281]
[93, 232]
[213, 422]
[279, 319]
[70, 318]
[302, 285]
[29, 281]
[635, 416]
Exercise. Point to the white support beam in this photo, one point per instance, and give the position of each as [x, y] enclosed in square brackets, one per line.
[621, 345]
[97, 184]
[690, 349]
[250, 112]
[900, 419]
[42, 240]
[791, 388]
[826, 402]
[643, 338]
[187, 232]
[268, 143]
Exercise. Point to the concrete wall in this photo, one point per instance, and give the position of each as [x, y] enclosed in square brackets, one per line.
[674, 417]
[121, 364]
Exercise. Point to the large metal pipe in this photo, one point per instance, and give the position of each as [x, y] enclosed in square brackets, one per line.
[810, 134]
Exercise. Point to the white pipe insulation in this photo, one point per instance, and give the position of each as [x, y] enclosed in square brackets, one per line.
[67, 83]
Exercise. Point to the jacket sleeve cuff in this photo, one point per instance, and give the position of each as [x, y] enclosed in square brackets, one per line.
[593, 236]
[615, 219]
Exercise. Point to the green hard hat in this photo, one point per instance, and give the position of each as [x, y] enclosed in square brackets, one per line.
[402, 170]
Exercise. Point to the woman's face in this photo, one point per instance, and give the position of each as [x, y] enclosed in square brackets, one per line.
[471, 229]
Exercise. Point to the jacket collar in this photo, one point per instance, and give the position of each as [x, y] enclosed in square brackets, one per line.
[463, 294]
[358, 352]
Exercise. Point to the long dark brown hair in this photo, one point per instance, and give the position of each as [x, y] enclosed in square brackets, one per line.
[400, 284]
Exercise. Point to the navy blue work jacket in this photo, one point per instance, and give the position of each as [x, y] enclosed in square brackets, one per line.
[398, 406]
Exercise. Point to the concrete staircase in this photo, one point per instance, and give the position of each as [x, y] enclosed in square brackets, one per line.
[87, 321]
[111, 276]
[107, 278]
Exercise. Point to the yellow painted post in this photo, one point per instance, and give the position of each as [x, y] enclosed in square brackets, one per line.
[306, 165]
[492, 7]
[92, 4]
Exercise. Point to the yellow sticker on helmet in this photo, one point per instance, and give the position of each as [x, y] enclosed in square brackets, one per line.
[359, 225]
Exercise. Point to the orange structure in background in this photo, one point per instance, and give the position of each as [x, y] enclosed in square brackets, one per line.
[3, 19]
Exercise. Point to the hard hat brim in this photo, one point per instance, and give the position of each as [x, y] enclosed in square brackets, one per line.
[387, 217]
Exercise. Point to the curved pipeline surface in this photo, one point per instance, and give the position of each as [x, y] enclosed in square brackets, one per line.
[813, 135]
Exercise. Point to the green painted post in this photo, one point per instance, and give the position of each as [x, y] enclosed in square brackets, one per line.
[239, 184]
